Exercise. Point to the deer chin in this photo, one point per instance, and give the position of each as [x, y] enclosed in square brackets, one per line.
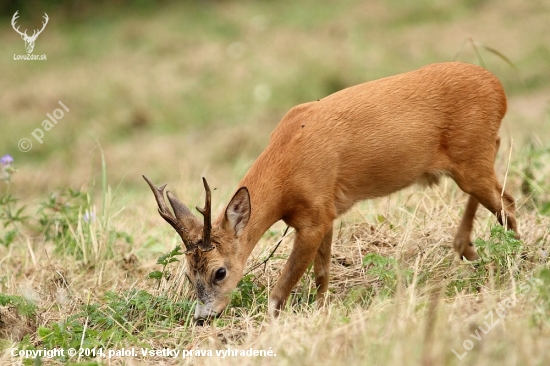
[203, 312]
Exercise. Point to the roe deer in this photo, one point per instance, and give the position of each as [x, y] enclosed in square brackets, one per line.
[362, 142]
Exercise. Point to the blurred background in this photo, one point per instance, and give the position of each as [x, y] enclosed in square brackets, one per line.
[180, 89]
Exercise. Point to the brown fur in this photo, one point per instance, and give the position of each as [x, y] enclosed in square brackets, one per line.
[363, 142]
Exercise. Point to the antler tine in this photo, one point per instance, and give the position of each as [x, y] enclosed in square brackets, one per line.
[13, 19]
[206, 243]
[168, 216]
[43, 24]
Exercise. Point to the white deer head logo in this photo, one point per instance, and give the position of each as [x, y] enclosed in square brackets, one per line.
[29, 41]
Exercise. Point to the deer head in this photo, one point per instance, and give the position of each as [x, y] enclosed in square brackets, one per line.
[29, 41]
[213, 264]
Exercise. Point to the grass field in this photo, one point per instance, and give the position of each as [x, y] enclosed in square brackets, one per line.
[181, 91]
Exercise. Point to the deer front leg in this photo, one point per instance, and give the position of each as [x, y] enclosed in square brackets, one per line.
[304, 250]
[321, 268]
[463, 243]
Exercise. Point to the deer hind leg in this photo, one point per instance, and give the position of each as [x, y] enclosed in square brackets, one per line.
[321, 268]
[491, 199]
[508, 201]
[489, 195]
[481, 183]
[486, 190]
[508, 208]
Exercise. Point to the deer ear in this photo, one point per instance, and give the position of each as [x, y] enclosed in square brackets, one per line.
[237, 212]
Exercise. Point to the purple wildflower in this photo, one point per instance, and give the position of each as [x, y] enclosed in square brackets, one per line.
[89, 217]
[6, 160]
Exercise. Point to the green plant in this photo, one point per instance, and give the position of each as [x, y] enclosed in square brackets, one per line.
[27, 344]
[58, 215]
[535, 178]
[165, 260]
[248, 293]
[69, 220]
[467, 279]
[23, 306]
[359, 296]
[136, 311]
[386, 269]
[116, 318]
[502, 248]
[502, 252]
[10, 214]
[541, 313]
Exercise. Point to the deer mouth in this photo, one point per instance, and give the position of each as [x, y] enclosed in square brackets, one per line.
[203, 314]
[202, 320]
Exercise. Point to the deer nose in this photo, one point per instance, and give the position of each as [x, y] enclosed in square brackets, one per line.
[199, 321]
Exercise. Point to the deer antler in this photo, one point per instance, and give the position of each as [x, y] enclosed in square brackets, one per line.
[15, 16]
[35, 34]
[43, 26]
[169, 217]
[206, 244]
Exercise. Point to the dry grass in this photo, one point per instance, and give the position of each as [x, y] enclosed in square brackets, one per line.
[418, 324]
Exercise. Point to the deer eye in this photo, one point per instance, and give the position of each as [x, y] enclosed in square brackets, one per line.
[220, 274]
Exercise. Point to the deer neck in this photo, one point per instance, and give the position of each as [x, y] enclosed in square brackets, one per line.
[265, 199]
